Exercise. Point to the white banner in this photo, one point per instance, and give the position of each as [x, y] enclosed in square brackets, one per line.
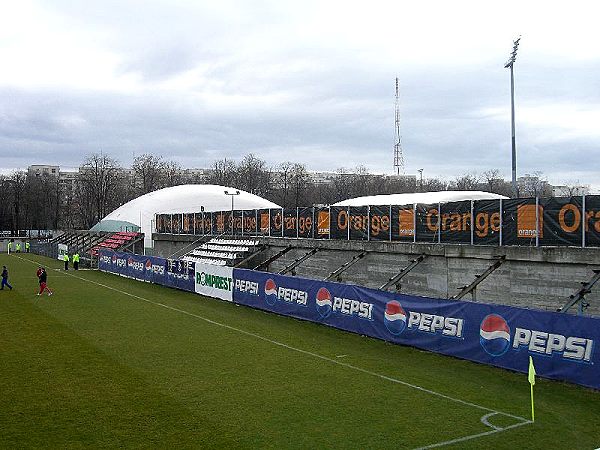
[62, 249]
[214, 281]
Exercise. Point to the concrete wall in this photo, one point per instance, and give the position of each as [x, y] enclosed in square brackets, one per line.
[541, 278]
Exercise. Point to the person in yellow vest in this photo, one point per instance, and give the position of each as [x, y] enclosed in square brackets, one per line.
[27, 247]
[76, 261]
[18, 247]
[66, 260]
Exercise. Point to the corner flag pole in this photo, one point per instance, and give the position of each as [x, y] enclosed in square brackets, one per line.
[531, 378]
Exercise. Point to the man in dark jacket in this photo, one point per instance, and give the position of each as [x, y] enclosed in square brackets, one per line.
[5, 278]
[43, 277]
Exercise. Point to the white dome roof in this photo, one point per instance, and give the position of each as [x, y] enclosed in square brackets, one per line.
[181, 199]
[426, 198]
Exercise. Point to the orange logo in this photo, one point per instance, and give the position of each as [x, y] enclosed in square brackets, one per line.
[265, 222]
[323, 222]
[406, 220]
[526, 227]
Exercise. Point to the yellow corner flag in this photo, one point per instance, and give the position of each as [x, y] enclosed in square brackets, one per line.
[531, 378]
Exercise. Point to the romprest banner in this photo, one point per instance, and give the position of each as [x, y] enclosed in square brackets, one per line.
[214, 281]
[563, 346]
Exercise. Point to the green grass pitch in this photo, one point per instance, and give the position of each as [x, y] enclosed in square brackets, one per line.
[111, 362]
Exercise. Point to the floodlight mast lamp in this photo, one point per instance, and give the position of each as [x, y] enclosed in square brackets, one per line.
[232, 194]
[509, 64]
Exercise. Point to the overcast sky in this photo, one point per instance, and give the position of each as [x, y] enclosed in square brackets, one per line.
[306, 81]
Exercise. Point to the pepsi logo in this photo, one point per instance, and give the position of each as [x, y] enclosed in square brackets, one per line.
[323, 302]
[130, 261]
[270, 292]
[394, 317]
[148, 265]
[494, 335]
[114, 259]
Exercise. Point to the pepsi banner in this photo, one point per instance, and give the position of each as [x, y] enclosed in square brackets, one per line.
[139, 267]
[563, 347]
[166, 272]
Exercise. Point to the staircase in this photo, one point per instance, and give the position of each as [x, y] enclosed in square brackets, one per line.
[223, 252]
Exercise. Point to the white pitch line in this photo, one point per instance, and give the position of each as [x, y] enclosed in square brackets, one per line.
[485, 421]
[474, 436]
[522, 420]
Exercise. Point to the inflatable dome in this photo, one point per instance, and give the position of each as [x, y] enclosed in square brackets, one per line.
[140, 211]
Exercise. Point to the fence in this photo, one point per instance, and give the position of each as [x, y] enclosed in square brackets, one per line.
[566, 221]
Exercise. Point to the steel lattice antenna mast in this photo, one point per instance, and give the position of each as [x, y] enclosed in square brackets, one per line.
[398, 158]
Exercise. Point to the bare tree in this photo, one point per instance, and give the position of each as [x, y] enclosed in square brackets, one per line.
[467, 182]
[282, 183]
[435, 185]
[341, 187]
[534, 186]
[171, 174]
[148, 171]
[299, 183]
[100, 188]
[18, 183]
[254, 176]
[223, 173]
[41, 199]
[572, 188]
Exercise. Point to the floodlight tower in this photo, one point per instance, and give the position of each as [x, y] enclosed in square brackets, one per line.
[510, 63]
[398, 158]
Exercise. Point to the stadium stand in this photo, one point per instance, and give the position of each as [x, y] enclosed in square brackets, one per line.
[119, 241]
[224, 252]
[88, 243]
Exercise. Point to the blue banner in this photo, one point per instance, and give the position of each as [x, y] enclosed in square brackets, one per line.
[562, 346]
[171, 273]
[179, 274]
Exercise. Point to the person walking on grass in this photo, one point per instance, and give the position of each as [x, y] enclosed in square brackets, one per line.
[43, 278]
[66, 260]
[5, 278]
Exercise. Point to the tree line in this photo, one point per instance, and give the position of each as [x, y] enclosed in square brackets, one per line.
[47, 202]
